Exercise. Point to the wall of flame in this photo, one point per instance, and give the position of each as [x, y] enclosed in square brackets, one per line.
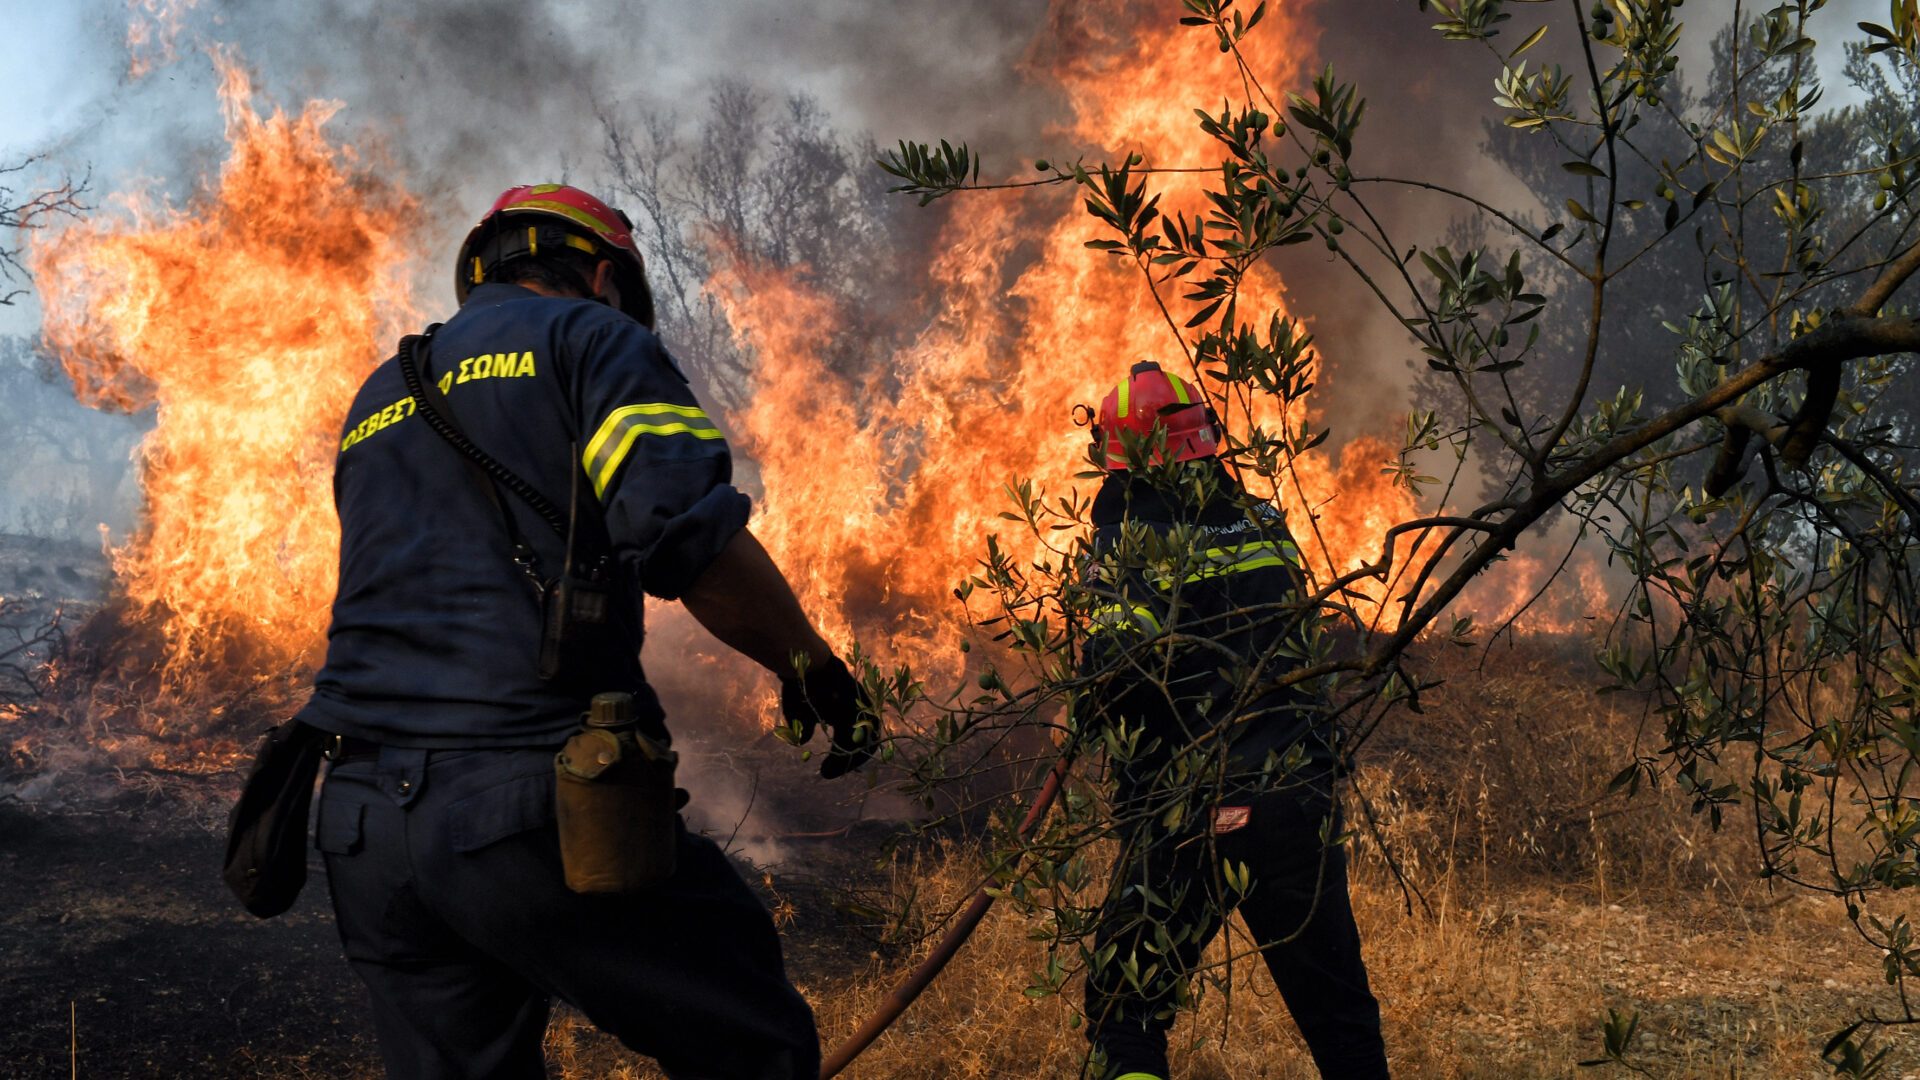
[245, 319]
[246, 316]
[885, 487]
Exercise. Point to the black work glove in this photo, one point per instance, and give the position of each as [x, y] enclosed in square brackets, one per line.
[829, 694]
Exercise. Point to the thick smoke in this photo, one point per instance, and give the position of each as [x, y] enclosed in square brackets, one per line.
[467, 96]
[1426, 119]
[1431, 117]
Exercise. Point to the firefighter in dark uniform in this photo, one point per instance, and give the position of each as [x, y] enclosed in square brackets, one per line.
[1223, 787]
[437, 821]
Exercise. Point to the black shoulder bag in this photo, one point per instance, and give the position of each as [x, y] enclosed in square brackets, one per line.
[266, 862]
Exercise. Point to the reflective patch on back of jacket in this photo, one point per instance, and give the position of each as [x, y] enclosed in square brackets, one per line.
[500, 365]
[1135, 618]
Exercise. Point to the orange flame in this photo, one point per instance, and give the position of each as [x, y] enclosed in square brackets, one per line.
[886, 488]
[153, 30]
[883, 490]
[246, 320]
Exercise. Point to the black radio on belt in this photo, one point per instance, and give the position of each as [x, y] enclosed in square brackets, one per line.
[573, 603]
[573, 608]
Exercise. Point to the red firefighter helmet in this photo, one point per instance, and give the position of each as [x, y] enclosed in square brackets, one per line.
[1150, 398]
[524, 218]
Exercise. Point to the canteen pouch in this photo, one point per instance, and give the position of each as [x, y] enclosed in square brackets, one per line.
[616, 806]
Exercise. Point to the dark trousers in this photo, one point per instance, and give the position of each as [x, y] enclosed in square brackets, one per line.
[445, 872]
[1170, 897]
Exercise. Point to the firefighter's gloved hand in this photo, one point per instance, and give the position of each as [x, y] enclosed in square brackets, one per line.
[829, 694]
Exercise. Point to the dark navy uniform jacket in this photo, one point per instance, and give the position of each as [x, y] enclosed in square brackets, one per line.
[436, 632]
[1194, 608]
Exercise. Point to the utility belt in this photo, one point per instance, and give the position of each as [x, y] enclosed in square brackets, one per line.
[615, 803]
[340, 749]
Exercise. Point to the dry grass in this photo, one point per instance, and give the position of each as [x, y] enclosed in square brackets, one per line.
[1511, 989]
[1512, 985]
[1542, 904]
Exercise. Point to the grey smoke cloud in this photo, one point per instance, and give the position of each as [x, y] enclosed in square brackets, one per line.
[1431, 108]
[470, 95]
[474, 95]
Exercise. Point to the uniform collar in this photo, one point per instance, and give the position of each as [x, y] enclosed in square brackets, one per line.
[496, 292]
[1122, 495]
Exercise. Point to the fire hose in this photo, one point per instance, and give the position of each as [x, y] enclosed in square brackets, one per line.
[922, 975]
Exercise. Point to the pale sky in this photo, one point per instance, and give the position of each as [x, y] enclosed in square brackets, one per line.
[49, 71]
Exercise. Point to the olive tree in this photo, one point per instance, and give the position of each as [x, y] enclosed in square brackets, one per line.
[1746, 455]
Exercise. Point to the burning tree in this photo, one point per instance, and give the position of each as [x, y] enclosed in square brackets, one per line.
[22, 212]
[32, 632]
[240, 323]
[244, 321]
[1764, 508]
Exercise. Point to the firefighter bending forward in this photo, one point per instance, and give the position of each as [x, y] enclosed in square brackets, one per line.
[437, 821]
[1223, 791]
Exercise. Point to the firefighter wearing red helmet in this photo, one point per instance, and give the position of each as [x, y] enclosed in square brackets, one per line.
[563, 218]
[1159, 414]
[1192, 593]
[484, 599]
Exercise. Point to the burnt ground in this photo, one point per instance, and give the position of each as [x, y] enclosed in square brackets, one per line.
[123, 955]
[118, 920]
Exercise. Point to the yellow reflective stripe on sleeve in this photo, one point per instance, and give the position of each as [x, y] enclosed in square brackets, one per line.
[1217, 562]
[611, 425]
[1254, 564]
[1135, 617]
[609, 445]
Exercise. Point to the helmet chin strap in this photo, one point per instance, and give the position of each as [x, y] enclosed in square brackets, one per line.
[1088, 417]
